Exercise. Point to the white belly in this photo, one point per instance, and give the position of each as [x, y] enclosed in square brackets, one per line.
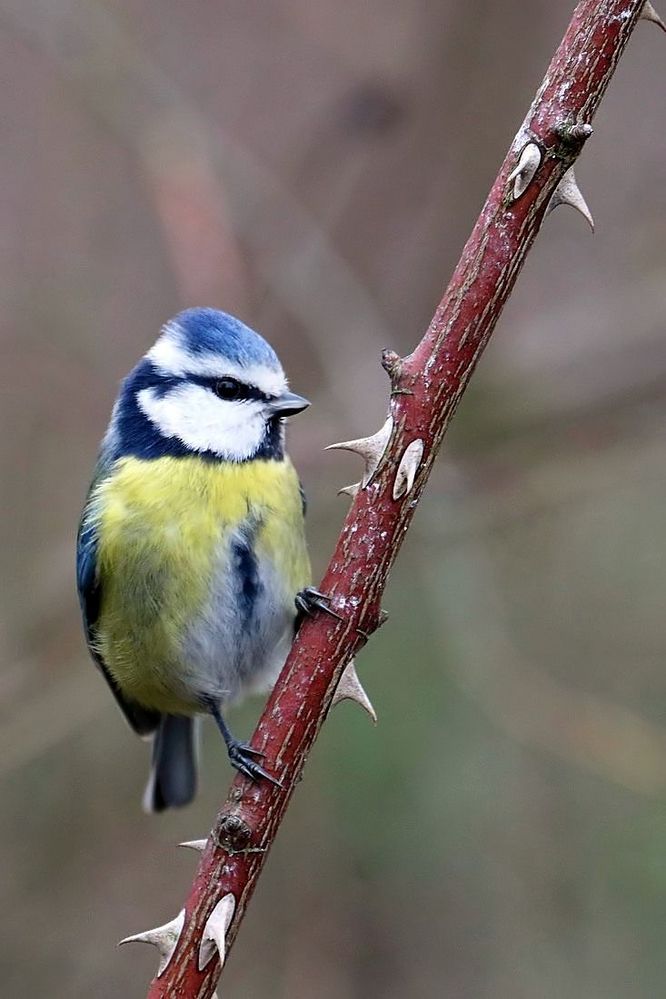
[240, 641]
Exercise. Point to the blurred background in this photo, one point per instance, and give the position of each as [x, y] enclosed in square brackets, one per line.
[316, 167]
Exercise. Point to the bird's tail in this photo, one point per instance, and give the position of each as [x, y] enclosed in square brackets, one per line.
[173, 771]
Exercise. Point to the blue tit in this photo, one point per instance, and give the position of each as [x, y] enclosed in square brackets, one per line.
[191, 548]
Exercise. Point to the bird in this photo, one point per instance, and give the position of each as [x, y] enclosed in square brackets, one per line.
[193, 570]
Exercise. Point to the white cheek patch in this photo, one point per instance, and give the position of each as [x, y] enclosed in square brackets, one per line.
[172, 358]
[193, 415]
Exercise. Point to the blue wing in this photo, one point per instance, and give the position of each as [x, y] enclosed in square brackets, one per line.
[142, 720]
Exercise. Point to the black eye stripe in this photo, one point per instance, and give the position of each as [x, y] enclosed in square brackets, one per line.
[246, 391]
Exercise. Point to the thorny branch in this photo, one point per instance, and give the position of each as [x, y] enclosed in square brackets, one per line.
[426, 388]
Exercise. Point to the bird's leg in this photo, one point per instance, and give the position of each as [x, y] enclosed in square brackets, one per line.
[240, 753]
[309, 601]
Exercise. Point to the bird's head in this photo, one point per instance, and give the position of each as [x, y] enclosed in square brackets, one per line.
[209, 385]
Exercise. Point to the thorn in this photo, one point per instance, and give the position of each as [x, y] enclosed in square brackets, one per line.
[164, 938]
[581, 131]
[215, 931]
[577, 133]
[195, 844]
[391, 363]
[523, 173]
[567, 192]
[648, 13]
[371, 449]
[350, 490]
[409, 463]
[349, 689]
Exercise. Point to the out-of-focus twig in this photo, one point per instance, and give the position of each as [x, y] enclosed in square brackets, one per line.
[125, 88]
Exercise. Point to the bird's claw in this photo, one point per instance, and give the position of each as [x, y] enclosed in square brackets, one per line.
[310, 600]
[249, 750]
[240, 757]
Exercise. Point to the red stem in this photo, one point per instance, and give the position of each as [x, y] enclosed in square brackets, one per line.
[427, 387]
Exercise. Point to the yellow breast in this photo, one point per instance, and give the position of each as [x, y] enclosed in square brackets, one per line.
[160, 525]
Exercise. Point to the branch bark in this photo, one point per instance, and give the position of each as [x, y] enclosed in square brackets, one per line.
[426, 388]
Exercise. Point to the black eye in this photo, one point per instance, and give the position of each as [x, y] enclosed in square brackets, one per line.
[228, 388]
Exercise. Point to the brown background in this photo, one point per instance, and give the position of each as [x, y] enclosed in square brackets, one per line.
[316, 167]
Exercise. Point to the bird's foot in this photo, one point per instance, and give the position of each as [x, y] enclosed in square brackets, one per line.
[241, 754]
[241, 757]
[310, 600]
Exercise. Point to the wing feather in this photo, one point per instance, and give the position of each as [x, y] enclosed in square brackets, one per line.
[143, 721]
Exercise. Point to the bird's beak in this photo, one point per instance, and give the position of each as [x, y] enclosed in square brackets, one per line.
[288, 404]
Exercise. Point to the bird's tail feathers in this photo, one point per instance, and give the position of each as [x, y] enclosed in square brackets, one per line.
[173, 772]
